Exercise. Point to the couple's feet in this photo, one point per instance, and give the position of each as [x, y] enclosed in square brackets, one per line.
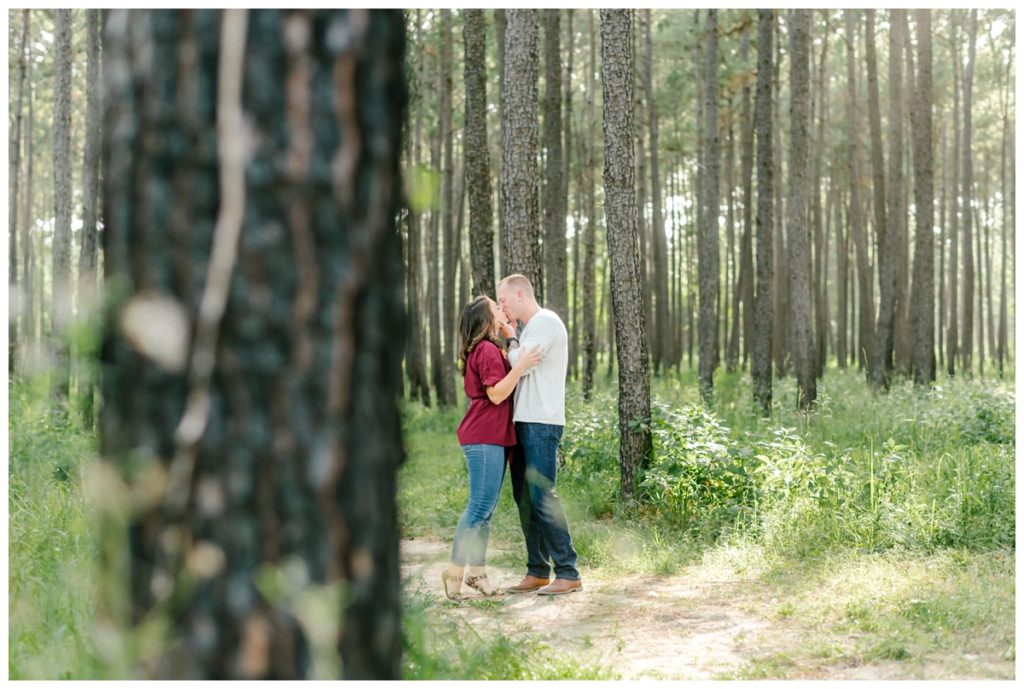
[546, 587]
[453, 584]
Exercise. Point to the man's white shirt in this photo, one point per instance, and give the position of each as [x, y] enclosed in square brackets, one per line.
[540, 395]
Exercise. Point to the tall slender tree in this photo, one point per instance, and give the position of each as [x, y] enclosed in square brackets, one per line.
[590, 234]
[708, 265]
[555, 179]
[28, 272]
[14, 287]
[519, 188]
[761, 359]
[885, 235]
[952, 331]
[90, 174]
[620, 218]
[660, 329]
[61, 276]
[857, 231]
[478, 165]
[924, 256]
[798, 207]
[967, 337]
[269, 448]
[415, 351]
[449, 207]
[746, 292]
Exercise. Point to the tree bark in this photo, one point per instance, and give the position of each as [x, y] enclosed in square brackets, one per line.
[620, 219]
[746, 291]
[661, 330]
[438, 364]
[924, 254]
[61, 278]
[478, 164]
[448, 209]
[708, 264]
[415, 352]
[798, 207]
[90, 174]
[555, 180]
[589, 240]
[276, 489]
[15, 288]
[967, 338]
[500, 29]
[519, 148]
[820, 219]
[761, 359]
[885, 233]
[639, 122]
[857, 231]
[952, 334]
[28, 270]
[842, 271]
[781, 328]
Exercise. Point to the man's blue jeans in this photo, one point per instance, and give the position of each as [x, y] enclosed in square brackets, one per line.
[540, 511]
[486, 465]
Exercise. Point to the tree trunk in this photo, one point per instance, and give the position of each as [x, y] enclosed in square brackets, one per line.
[438, 364]
[500, 29]
[708, 264]
[478, 164]
[781, 327]
[61, 278]
[554, 187]
[857, 231]
[820, 219]
[278, 483]
[567, 144]
[415, 352]
[746, 291]
[842, 271]
[732, 288]
[519, 148]
[1004, 257]
[761, 359]
[28, 271]
[885, 234]
[589, 237]
[639, 122]
[448, 209]
[798, 239]
[924, 253]
[967, 338]
[620, 219]
[661, 331]
[952, 334]
[15, 289]
[90, 174]
[903, 340]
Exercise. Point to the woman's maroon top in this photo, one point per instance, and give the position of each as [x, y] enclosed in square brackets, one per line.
[486, 423]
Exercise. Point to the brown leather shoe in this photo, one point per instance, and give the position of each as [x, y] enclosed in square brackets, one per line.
[560, 586]
[528, 584]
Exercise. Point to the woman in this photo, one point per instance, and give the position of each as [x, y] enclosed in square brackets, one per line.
[486, 430]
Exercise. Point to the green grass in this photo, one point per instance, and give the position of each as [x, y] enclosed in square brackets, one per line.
[884, 524]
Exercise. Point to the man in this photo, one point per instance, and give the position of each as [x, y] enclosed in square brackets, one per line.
[539, 416]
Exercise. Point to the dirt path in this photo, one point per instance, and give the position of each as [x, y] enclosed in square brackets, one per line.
[693, 625]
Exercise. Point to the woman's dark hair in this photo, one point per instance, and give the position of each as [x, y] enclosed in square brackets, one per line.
[474, 325]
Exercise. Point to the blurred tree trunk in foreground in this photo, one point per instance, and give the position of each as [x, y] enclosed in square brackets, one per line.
[249, 433]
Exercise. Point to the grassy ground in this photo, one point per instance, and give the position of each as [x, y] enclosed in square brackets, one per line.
[900, 564]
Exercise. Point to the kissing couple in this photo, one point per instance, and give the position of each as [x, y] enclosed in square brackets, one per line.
[516, 416]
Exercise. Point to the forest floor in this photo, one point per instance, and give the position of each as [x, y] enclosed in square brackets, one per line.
[706, 621]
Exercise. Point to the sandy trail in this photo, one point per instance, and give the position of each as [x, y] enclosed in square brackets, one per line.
[665, 627]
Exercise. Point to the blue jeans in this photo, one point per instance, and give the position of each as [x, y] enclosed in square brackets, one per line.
[540, 511]
[486, 465]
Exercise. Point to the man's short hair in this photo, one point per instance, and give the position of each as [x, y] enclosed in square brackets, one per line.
[517, 281]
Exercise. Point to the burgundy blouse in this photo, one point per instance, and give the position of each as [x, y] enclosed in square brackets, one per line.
[486, 423]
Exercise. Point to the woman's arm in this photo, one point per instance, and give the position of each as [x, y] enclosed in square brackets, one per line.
[500, 391]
